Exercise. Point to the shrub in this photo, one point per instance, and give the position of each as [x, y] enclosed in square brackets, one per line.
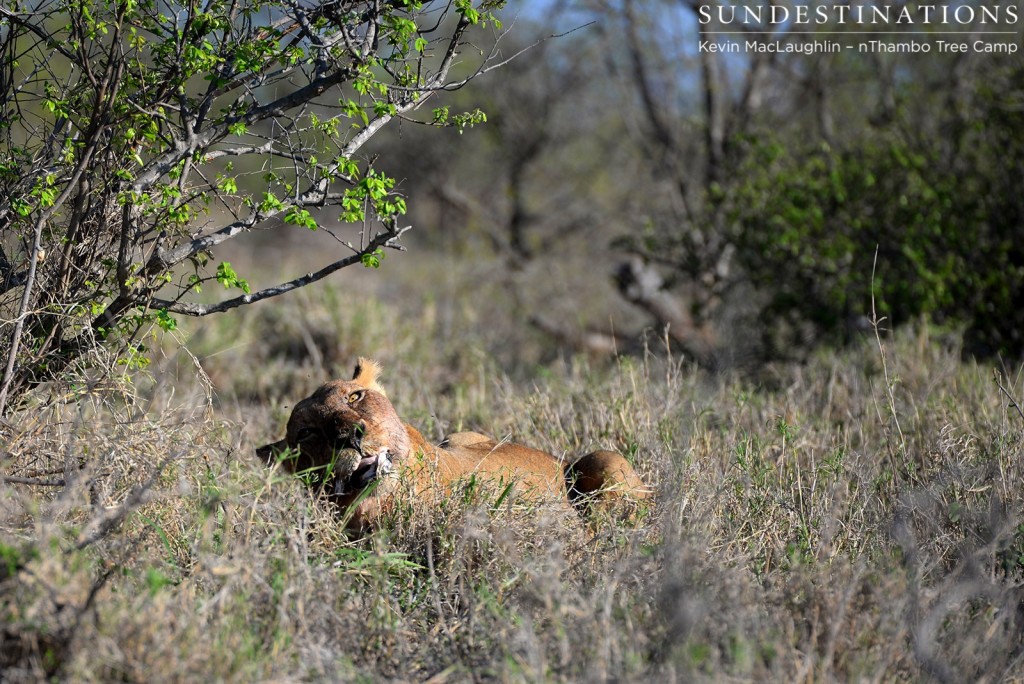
[944, 217]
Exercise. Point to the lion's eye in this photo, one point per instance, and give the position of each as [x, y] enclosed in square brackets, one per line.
[356, 396]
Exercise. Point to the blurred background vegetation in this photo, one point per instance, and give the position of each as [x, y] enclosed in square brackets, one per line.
[750, 205]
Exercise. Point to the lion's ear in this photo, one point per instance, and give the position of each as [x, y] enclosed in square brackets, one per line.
[366, 374]
[268, 453]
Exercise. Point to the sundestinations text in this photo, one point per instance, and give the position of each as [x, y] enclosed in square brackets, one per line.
[857, 14]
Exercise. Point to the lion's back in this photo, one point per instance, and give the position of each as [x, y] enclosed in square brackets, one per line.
[474, 453]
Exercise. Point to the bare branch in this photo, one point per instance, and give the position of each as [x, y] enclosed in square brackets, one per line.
[41, 34]
[489, 65]
[383, 239]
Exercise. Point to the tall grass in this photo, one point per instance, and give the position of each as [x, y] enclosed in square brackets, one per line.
[798, 534]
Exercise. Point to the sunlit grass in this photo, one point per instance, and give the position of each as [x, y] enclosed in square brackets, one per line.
[796, 533]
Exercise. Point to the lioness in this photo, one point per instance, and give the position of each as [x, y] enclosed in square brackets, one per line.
[348, 435]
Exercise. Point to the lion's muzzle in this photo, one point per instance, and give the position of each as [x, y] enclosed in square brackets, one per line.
[366, 471]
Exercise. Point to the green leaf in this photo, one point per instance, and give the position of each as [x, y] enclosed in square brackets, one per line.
[373, 259]
[300, 217]
[270, 203]
[227, 184]
[164, 320]
[227, 277]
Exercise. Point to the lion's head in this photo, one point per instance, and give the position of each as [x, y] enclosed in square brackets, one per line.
[346, 435]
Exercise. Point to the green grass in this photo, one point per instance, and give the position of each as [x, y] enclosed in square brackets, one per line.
[809, 526]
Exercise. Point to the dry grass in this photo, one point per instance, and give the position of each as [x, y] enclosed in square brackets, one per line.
[811, 526]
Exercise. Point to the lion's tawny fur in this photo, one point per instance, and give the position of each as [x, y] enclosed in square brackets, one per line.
[349, 431]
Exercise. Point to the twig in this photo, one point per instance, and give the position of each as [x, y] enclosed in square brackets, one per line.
[885, 370]
[109, 520]
[34, 481]
[163, 260]
[488, 66]
[1013, 401]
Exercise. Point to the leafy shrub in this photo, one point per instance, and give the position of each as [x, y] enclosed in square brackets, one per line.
[141, 142]
[944, 215]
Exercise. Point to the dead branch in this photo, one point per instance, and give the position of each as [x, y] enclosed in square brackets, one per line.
[33, 481]
[642, 285]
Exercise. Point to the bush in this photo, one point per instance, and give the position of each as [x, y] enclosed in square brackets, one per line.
[944, 215]
[137, 142]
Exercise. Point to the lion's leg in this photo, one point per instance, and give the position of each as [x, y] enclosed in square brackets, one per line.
[604, 478]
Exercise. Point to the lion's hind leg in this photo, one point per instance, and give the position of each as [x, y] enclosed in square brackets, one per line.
[605, 480]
